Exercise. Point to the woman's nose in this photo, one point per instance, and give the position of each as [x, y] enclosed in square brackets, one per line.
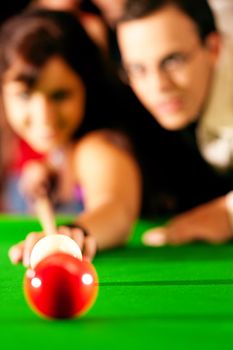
[41, 109]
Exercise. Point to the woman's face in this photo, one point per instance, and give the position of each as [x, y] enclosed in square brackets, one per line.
[47, 113]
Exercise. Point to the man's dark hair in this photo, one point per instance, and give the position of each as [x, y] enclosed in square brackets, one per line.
[198, 10]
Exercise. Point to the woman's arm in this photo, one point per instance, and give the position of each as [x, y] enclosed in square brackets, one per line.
[110, 177]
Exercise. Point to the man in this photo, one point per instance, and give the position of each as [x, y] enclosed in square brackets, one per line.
[181, 70]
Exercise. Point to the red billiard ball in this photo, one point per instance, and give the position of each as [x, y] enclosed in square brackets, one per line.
[61, 286]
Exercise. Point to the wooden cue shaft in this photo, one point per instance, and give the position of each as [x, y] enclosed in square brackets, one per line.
[45, 213]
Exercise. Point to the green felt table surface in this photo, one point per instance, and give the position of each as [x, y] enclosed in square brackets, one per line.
[151, 298]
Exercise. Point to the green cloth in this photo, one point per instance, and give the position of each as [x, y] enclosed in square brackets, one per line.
[149, 298]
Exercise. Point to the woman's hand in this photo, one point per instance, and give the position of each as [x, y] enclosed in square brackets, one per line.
[35, 180]
[21, 252]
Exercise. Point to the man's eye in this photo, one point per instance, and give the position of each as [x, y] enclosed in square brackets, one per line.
[135, 71]
[60, 95]
[174, 61]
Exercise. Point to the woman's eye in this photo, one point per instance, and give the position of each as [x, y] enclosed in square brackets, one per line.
[60, 95]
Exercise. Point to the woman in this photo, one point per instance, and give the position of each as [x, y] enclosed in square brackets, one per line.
[53, 88]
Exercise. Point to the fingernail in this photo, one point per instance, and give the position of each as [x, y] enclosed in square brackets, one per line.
[154, 239]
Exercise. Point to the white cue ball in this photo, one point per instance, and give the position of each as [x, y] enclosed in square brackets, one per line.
[52, 244]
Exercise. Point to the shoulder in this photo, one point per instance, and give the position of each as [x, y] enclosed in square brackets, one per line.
[101, 158]
[102, 149]
[102, 140]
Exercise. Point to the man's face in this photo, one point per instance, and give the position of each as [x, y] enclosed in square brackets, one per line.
[169, 68]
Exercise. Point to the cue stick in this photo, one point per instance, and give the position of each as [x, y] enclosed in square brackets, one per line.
[45, 213]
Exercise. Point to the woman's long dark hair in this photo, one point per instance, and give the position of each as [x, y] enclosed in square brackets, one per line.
[36, 35]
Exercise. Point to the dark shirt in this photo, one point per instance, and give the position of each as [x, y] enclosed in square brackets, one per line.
[176, 177]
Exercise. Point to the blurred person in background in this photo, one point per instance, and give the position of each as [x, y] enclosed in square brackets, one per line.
[223, 10]
[90, 20]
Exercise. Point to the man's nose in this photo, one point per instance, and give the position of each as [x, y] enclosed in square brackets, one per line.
[159, 80]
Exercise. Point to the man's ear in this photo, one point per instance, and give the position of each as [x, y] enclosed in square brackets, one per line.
[214, 45]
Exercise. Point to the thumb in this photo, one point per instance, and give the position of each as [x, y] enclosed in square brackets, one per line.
[155, 237]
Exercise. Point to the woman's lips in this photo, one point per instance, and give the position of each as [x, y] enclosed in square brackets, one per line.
[171, 106]
[47, 136]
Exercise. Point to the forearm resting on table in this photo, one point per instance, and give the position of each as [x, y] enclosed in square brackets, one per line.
[208, 222]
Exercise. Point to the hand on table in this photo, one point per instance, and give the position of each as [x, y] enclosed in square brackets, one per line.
[208, 222]
[21, 251]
